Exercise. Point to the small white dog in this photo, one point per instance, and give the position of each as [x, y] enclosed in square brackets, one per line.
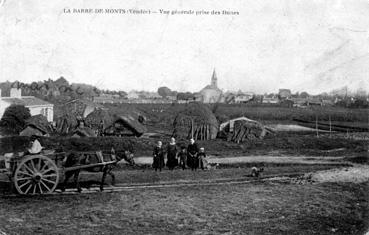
[256, 172]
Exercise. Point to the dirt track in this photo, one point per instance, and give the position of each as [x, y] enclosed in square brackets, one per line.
[261, 159]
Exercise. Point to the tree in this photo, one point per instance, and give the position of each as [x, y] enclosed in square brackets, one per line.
[15, 117]
[164, 91]
[185, 96]
[304, 94]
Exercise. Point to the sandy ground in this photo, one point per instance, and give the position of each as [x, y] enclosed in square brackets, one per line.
[290, 127]
[355, 174]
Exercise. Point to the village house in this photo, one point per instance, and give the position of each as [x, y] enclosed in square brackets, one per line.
[242, 97]
[35, 105]
[270, 99]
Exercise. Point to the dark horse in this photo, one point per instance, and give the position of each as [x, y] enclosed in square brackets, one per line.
[76, 159]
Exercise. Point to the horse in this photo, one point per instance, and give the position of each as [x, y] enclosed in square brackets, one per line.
[85, 159]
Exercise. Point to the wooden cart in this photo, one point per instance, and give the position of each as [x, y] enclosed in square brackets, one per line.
[41, 173]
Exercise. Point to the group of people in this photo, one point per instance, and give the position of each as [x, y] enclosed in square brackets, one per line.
[192, 157]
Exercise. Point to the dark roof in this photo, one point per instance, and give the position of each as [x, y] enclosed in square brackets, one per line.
[25, 100]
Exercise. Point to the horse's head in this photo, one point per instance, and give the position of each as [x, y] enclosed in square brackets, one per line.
[125, 154]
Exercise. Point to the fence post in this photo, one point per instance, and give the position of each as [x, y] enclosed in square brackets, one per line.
[330, 127]
[316, 126]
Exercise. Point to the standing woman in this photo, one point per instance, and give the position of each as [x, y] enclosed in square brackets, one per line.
[172, 152]
[192, 151]
[158, 154]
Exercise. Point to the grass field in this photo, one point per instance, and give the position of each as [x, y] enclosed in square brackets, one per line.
[259, 112]
[262, 207]
[258, 208]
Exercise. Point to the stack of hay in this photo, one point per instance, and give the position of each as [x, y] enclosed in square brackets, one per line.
[111, 124]
[66, 123]
[242, 129]
[36, 125]
[196, 121]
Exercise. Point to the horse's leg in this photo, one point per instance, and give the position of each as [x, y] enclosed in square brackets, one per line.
[67, 176]
[112, 176]
[105, 172]
[76, 180]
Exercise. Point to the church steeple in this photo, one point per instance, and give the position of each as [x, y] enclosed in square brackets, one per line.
[214, 80]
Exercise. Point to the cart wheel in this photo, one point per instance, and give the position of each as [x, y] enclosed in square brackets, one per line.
[36, 175]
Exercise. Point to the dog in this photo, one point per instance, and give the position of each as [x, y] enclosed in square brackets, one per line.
[256, 172]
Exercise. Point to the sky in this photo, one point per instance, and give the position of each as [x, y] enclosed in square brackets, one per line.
[304, 45]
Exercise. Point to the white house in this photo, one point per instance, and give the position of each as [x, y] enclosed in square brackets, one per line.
[35, 105]
[243, 97]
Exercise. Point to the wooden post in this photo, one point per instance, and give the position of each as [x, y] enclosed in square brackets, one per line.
[330, 127]
[192, 128]
[316, 126]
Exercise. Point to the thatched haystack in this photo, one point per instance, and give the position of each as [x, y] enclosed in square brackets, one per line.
[36, 125]
[242, 129]
[30, 131]
[131, 122]
[196, 120]
[84, 132]
[125, 122]
[99, 119]
[67, 123]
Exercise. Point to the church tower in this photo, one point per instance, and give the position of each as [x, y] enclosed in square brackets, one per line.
[214, 80]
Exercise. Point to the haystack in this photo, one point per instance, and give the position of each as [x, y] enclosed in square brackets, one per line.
[30, 131]
[83, 132]
[66, 123]
[36, 125]
[196, 120]
[117, 123]
[99, 119]
[242, 128]
[131, 122]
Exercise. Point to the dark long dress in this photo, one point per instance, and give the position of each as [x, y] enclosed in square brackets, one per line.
[158, 155]
[171, 156]
[182, 159]
[192, 159]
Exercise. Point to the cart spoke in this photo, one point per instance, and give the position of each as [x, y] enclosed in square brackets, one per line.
[27, 168]
[27, 190]
[33, 165]
[47, 170]
[48, 189]
[39, 164]
[27, 182]
[39, 186]
[26, 178]
[48, 176]
[34, 189]
[25, 173]
[43, 167]
[49, 181]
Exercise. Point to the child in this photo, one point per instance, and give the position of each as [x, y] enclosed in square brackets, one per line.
[158, 154]
[182, 157]
[202, 158]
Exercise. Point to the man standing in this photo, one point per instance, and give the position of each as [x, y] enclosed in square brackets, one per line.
[35, 146]
[192, 151]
